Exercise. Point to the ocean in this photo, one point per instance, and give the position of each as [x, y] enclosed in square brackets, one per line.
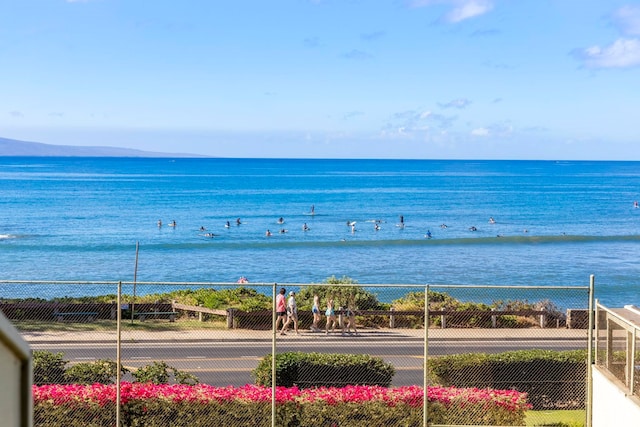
[554, 223]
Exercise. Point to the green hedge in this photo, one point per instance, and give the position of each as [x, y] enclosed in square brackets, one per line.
[552, 379]
[306, 370]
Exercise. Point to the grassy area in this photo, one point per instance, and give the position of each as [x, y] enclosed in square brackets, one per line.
[556, 418]
[110, 325]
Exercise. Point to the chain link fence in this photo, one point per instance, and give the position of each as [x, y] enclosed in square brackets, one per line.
[329, 354]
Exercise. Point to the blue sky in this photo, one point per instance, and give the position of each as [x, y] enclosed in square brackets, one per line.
[441, 79]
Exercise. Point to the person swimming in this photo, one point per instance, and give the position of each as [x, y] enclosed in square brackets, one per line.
[282, 231]
[473, 228]
[443, 225]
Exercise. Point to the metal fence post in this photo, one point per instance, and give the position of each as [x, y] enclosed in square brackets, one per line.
[425, 384]
[589, 411]
[273, 357]
[118, 353]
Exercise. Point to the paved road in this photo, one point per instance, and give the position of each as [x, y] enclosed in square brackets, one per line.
[227, 358]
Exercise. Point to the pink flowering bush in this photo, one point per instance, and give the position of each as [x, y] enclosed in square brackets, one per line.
[179, 405]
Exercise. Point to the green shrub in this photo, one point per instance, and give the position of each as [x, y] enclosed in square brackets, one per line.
[48, 368]
[100, 371]
[324, 370]
[161, 373]
[364, 300]
[552, 379]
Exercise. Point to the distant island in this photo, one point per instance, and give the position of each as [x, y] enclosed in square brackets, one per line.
[13, 147]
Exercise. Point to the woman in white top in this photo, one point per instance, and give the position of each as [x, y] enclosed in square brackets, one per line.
[292, 314]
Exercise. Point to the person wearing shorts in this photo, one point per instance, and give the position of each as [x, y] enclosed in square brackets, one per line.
[281, 307]
[316, 313]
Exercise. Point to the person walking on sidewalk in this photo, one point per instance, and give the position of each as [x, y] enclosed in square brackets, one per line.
[316, 313]
[281, 308]
[331, 316]
[350, 315]
[292, 314]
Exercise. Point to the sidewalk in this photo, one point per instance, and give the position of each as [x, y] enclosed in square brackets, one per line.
[235, 335]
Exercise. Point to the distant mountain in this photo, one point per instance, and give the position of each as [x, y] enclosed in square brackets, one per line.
[13, 147]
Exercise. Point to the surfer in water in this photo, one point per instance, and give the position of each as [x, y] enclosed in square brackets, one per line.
[159, 223]
[313, 210]
[238, 221]
[305, 227]
[428, 235]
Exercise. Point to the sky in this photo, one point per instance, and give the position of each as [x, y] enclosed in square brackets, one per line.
[411, 79]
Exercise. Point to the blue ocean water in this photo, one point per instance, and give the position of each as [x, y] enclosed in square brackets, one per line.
[556, 223]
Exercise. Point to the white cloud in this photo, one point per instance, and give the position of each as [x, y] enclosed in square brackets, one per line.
[456, 103]
[622, 53]
[469, 9]
[462, 9]
[627, 19]
[480, 132]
